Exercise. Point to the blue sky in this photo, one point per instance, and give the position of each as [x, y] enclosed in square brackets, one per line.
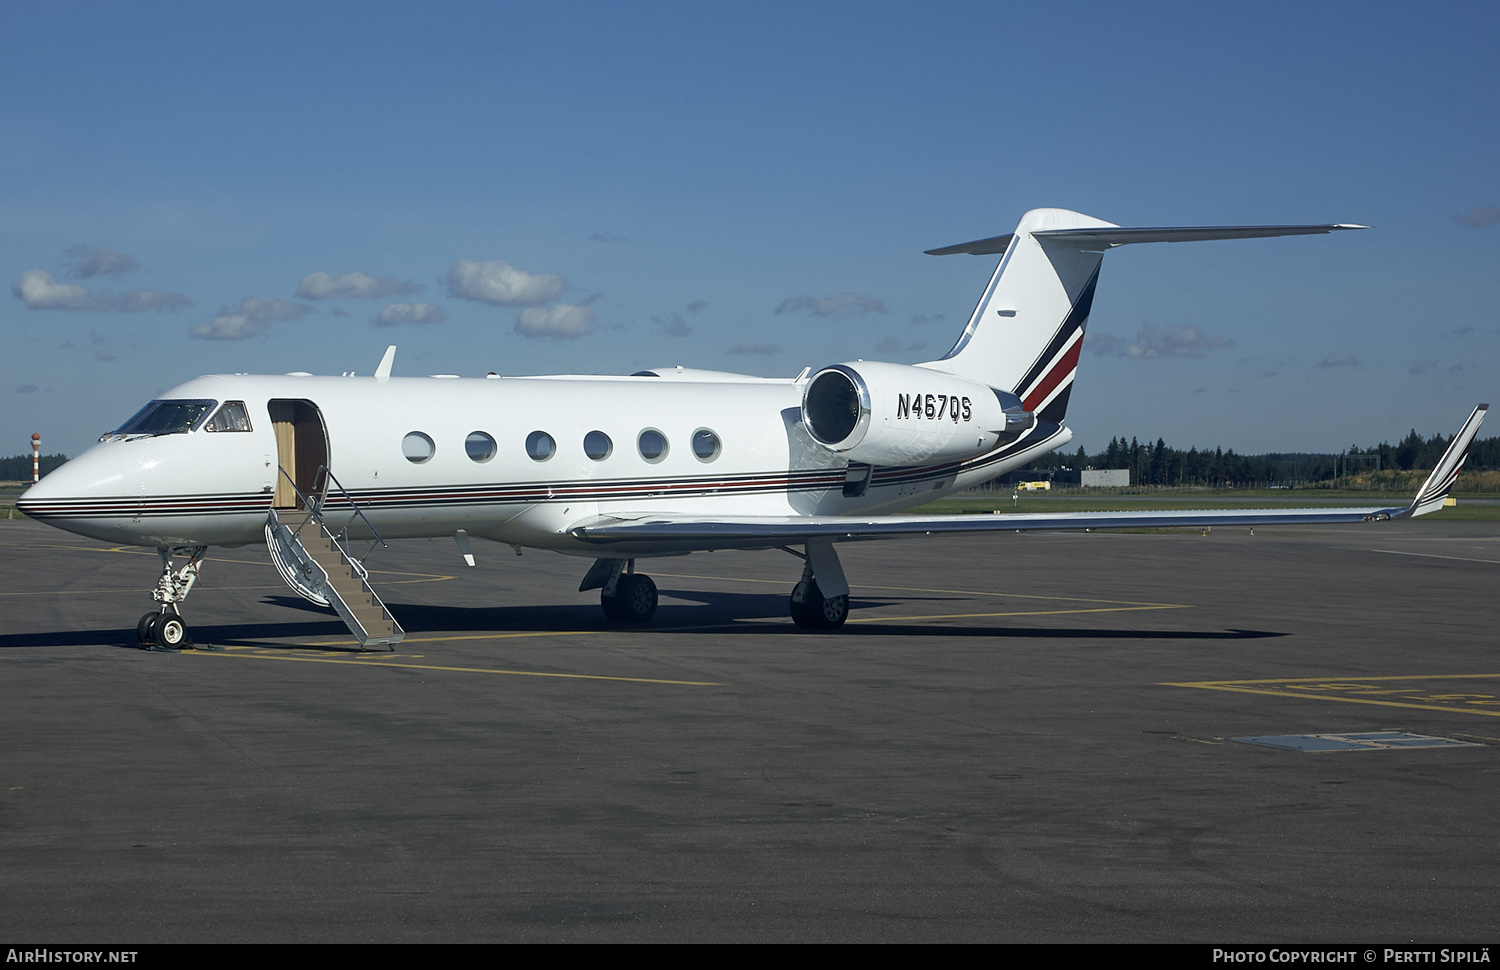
[597, 188]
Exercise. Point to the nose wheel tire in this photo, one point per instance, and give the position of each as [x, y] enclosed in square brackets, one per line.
[811, 610]
[161, 629]
[171, 631]
[634, 600]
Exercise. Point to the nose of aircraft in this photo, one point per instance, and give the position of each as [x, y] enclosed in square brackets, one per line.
[99, 487]
[164, 490]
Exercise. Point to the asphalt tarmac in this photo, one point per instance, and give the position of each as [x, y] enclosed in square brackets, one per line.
[1015, 738]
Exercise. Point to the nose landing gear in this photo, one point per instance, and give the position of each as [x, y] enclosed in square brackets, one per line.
[164, 628]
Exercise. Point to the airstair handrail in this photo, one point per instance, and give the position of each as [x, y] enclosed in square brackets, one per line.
[325, 470]
[314, 506]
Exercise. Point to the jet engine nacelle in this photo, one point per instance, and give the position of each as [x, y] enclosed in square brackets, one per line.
[893, 414]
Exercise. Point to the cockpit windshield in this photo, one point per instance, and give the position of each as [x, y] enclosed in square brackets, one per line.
[166, 417]
[231, 417]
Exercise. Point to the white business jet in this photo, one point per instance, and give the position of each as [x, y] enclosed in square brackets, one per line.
[618, 469]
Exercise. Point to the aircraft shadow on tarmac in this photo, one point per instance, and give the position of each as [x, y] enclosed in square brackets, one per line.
[689, 613]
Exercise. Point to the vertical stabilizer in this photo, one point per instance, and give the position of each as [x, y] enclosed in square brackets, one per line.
[1027, 331]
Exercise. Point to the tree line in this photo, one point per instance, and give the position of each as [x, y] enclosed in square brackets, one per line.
[18, 469]
[1161, 464]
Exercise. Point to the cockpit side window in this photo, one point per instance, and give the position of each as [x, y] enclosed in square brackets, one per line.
[231, 417]
[167, 417]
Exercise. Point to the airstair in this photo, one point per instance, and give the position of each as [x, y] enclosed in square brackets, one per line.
[314, 561]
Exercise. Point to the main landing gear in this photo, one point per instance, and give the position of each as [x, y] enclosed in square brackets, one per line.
[811, 610]
[624, 594]
[164, 626]
[819, 601]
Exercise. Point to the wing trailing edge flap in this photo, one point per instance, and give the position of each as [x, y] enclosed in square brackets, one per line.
[772, 530]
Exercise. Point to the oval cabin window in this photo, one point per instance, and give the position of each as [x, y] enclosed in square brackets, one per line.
[540, 446]
[417, 447]
[706, 445]
[480, 446]
[596, 445]
[652, 444]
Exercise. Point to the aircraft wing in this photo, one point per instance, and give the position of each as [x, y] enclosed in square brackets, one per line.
[773, 530]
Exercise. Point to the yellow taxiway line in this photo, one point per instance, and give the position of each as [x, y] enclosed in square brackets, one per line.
[1363, 690]
[377, 662]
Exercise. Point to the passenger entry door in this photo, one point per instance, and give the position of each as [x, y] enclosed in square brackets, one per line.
[301, 450]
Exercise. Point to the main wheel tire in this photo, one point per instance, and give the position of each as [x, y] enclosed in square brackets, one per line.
[636, 595]
[835, 612]
[634, 600]
[811, 610]
[171, 631]
[145, 630]
[613, 606]
[806, 604]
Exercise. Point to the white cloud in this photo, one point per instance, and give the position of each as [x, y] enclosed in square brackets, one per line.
[500, 284]
[138, 300]
[254, 317]
[606, 237]
[40, 290]
[90, 261]
[1152, 343]
[696, 306]
[1479, 216]
[749, 348]
[560, 322]
[843, 305]
[895, 345]
[321, 286]
[675, 327]
[1339, 360]
[413, 313]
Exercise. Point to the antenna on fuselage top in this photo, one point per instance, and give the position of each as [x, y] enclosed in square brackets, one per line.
[383, 372]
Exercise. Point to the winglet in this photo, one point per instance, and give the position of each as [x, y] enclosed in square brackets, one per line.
[1433, 491]
[383, 372]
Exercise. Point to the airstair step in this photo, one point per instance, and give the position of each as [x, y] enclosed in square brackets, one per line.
[342, 585]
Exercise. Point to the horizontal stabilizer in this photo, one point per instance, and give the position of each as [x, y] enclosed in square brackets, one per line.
[1110, 236]
[979, 247]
